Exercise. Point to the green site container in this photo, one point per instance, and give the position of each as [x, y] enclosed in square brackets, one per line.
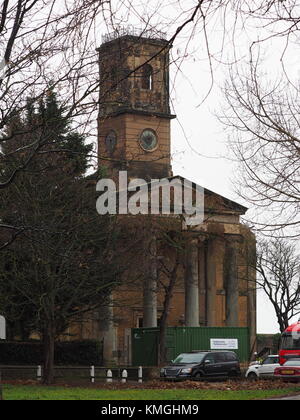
[145, 342]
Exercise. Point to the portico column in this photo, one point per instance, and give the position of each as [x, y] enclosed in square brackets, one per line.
[232, 284]
[192, 285]
[108, 335]
[150, 286]
[212, 262]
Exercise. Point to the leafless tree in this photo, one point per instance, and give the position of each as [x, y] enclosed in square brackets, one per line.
[265, 137]
[43, 43]
[278, 271]
[47, 43]
[263, 115]
[168, 276]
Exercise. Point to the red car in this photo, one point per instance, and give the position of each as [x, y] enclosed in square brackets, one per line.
[290, 371]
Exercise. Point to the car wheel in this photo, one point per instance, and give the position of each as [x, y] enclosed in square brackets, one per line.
[252, 377]
[198, 376]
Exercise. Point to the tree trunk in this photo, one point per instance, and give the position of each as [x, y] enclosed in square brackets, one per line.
[165, 314]
[162, 339]
[49, 345]
[281, 323]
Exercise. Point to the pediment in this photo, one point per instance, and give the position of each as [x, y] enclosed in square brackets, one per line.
[215, 203]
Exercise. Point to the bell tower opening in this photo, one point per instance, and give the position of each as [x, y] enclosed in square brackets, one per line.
[134, 122]
[147, 77]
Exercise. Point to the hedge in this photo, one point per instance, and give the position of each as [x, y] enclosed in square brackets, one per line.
[74, 353]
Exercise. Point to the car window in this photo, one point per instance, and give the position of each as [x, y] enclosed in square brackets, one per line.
[220, 357]
[189, 358]
[231, 357]
[210, 357]
[268, 361]
[292, 363]
[290, 342]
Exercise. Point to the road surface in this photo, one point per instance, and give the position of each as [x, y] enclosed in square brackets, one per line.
[296, 398]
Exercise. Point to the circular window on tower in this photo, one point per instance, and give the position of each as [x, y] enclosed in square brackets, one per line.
[111, 142]
[149, 140]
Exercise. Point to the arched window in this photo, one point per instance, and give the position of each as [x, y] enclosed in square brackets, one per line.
[147, 77]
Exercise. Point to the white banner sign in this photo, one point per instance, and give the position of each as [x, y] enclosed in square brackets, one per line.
[224, 344]
[2, 328]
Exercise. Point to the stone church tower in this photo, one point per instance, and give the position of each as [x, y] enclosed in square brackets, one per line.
[215, 286]
[134, 117]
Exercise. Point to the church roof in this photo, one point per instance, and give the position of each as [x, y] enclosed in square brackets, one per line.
[214, 202]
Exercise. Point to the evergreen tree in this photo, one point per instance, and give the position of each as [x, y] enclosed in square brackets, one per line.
[61, 267]
[44, 125]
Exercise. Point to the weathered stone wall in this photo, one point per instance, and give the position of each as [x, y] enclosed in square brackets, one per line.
[128, 154]
[121, 72]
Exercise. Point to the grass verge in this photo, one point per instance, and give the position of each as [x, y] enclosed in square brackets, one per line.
[11, 392]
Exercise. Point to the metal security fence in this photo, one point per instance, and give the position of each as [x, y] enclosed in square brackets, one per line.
[10, 373]
[145, 342]
[24, 373]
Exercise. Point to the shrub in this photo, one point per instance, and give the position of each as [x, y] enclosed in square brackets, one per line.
[74, 353]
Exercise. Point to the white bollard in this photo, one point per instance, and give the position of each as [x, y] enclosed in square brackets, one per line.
[92, 374]
[109, 377]
[124, 376]
[39, 373]
[140, 375]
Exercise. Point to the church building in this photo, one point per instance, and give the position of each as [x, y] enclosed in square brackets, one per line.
[214, 285]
